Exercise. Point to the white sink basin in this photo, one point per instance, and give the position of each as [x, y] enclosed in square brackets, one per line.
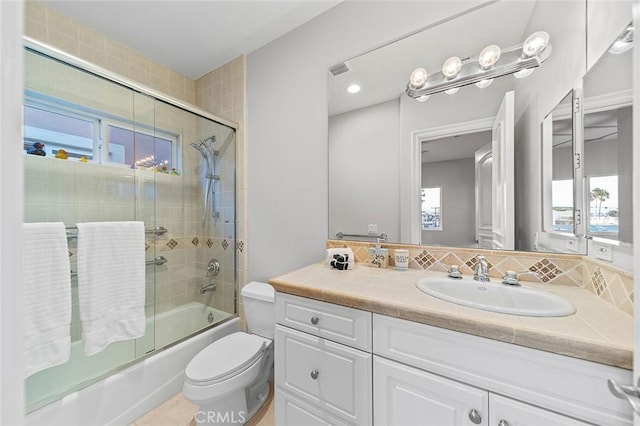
[497, 297]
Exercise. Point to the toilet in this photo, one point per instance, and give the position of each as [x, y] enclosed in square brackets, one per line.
[229, 379]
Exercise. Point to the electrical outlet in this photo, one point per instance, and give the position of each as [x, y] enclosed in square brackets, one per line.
[373, 228]
[572, 244]
[603, 252]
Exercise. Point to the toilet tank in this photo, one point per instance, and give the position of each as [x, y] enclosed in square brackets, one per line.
[259, 308]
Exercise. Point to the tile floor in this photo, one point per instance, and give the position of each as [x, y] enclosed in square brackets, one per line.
[179, 412]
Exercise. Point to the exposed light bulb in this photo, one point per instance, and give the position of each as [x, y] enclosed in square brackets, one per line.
[418, 77]
[451, 67]
[489, 56]
[452, 91]
[535, 43]
[484, 83]
[423, 98]
[353, 88]
[523, 73]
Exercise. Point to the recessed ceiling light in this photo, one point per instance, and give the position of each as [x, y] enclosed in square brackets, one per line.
[354, 88]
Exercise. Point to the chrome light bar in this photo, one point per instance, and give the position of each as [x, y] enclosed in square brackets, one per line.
[521, 59]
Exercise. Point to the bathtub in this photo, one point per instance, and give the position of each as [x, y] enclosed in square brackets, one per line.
[122, 397]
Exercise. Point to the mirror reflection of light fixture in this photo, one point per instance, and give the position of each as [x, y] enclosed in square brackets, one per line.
[492, 62]
[624, 41]
[484, 83]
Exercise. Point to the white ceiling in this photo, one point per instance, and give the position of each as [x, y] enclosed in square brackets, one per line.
[193, 37]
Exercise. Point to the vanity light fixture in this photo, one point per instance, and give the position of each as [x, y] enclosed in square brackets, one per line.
[492, 62]
[624, 41]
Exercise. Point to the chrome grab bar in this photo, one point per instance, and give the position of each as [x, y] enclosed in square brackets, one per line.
[159, 260]
[382, 236]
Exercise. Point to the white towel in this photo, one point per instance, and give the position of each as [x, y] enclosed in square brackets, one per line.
[47, 296]
[111, 282]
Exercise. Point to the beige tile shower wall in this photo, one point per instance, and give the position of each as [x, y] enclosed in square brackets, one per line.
[222, 92]
[174, 201]
[48, 26]
[611, 284]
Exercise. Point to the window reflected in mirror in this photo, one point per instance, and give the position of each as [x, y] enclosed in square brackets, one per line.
[558, 168]
[432, 209]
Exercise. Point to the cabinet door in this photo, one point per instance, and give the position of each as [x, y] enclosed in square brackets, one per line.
[406, 396]
[509, 412]
[291, 411]
[331, 376]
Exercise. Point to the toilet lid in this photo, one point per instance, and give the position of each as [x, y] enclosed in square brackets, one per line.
[225, 356]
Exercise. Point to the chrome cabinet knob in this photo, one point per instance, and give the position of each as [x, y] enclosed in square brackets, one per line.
[314, 320]
[314, 374]
[503, 423]
[475, 417]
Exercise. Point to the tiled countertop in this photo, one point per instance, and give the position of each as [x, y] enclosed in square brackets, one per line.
[597, 332]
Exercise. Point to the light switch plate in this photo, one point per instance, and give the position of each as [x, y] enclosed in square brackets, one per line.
[373, 228]
[603, 252]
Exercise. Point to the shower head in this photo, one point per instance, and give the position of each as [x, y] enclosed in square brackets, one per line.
[200, 148]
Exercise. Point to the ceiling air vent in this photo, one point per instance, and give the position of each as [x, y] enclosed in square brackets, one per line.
[338, 69]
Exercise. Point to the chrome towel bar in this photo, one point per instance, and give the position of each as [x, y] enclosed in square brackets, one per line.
[159, 260]
[160, 230]
[382, 236]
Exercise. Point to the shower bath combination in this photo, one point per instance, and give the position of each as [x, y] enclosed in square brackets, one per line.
[205, 147]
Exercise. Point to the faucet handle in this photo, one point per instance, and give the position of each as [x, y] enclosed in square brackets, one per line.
[511, 277]
[453, 270]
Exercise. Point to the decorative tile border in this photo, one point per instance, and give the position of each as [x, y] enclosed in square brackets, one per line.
[180, 243]
[607, 282]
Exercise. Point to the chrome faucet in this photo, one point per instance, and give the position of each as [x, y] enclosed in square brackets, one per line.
[481, 272]
[206, 288]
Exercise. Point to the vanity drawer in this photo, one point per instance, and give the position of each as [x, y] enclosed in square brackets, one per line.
[334, 322]
[291, 411]
[328, 375]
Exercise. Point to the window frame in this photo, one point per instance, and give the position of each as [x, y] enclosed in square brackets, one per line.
[100, 123]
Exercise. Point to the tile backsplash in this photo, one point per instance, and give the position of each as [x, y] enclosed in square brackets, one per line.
[611, 284]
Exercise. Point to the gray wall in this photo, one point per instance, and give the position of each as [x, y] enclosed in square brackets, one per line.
[287, 124]
[370, 135]
[457, 180]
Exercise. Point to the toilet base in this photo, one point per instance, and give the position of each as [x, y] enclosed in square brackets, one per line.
[227, 411]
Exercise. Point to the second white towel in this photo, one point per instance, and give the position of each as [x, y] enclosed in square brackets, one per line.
[111, 282]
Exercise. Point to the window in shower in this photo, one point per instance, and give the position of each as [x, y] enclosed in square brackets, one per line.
[140, 149]
[59, 130]
[51, 125]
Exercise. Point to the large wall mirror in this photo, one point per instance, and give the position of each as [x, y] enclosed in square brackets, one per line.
[414, 170]
[421, 172]
[607, 169]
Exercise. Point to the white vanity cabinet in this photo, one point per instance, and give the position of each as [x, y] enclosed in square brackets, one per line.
[336, 365]
[322, 363]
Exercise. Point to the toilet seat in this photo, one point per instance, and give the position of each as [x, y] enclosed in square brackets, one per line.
[225, 358]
